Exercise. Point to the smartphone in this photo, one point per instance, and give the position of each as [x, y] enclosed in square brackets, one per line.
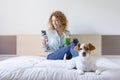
[43, 32]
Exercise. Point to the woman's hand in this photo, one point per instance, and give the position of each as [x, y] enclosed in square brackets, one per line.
[45, 40]
[71, 40]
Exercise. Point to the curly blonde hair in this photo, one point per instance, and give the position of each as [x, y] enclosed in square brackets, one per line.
[61, 18]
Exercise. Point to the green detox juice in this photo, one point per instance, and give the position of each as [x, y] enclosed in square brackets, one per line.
[66, 40]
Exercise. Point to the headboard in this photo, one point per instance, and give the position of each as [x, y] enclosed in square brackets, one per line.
[29, 44]
[7, 45]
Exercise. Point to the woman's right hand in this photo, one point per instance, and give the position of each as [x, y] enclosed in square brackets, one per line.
[45, 40]
[45, 43]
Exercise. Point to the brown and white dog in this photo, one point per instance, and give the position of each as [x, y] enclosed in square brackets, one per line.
[84, 61]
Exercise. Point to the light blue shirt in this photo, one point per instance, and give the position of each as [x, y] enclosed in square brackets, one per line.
[55, 41]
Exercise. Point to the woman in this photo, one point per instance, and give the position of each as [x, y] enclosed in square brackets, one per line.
[54, 41]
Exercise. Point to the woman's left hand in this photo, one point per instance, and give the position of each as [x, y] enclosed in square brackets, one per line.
[71, 40]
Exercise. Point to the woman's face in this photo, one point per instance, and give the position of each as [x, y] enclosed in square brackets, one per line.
[55, 23]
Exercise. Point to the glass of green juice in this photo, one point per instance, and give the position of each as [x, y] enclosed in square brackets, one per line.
[66, 40]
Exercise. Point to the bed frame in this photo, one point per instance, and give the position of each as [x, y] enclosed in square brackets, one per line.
[29, 44]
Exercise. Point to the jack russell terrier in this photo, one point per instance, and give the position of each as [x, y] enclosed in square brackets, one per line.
[84, 62]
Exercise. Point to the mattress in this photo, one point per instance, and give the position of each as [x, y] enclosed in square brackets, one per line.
[31, 68]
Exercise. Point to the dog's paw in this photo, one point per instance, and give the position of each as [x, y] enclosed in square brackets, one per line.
[80, 72]
[97, 72]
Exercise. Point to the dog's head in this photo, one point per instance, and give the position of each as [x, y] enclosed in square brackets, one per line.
[84, 49]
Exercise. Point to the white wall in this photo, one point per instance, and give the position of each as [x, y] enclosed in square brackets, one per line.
[84, 16]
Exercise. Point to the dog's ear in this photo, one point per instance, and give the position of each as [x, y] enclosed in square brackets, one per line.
[92, 47]
[77, 47]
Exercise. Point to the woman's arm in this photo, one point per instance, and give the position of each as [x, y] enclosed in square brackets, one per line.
[45, 41]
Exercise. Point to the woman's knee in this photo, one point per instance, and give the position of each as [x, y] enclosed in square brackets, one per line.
[75, 41]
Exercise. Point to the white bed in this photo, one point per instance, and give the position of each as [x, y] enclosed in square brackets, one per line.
[28, 68]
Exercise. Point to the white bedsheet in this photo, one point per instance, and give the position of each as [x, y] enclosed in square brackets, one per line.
[29, 68]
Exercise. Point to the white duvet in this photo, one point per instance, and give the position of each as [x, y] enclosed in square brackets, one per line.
[38, 68]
